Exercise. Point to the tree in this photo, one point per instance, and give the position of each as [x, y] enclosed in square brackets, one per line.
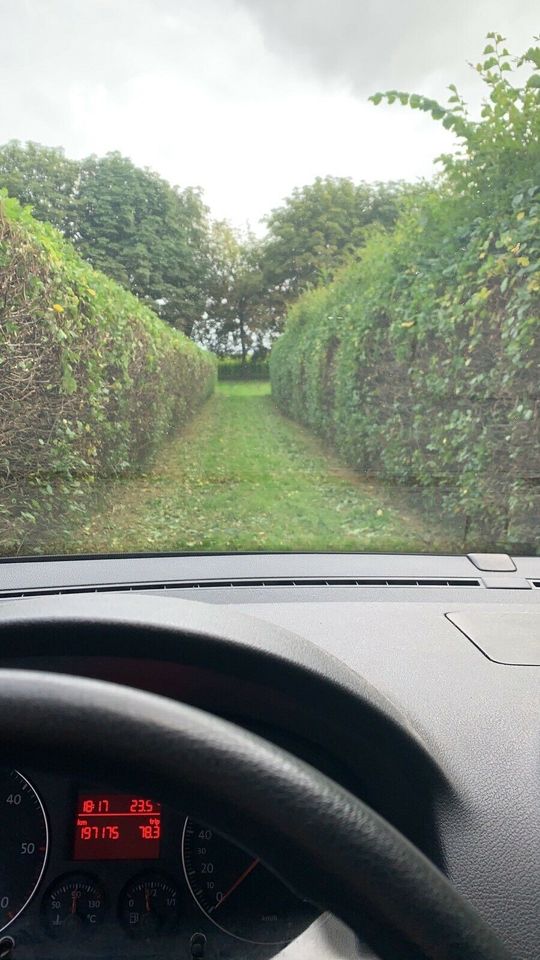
[227, 290]
[147, 235]
[320, 227]
[239, 317]
[44, 178]
[126, 221]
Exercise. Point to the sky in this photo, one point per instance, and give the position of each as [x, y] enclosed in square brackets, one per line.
[245, 98]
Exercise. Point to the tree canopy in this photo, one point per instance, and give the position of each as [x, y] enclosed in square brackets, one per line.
[43, 178]
[321, 226]
[147, 235]
[126, 221]
[227, 290]
[253, 281]
[240, 310]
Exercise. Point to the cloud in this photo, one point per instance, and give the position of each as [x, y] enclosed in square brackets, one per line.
[369, 44]
[246, 98]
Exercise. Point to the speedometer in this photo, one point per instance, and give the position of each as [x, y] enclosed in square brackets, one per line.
[24, 842]
[237, 893]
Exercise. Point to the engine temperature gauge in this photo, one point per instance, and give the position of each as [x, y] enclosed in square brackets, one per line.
[73, 906]
[149, 906]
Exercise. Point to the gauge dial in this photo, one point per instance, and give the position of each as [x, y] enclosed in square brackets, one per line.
[237, 893]
[73, 906]
[23, 844]
[149, 906]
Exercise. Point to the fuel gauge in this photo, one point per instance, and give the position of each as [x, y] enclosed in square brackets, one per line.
[149, 906]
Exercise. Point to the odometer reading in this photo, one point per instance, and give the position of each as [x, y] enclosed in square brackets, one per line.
[23, 844]
[116, 827]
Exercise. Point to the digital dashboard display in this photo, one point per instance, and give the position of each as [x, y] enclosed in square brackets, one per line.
[113, 826]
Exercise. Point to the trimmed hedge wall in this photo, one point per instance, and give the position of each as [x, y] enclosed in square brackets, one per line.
[91, 381]
[232, 368]
[421, 364]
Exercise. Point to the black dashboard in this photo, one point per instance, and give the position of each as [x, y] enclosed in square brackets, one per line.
[448, 753]
[96, 874]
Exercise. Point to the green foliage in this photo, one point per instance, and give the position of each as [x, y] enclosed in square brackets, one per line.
[43, 178]
[242, 477]
[91, 380]
[240, 315]
[319, 228]
[422, 361]
[128, 222]
[233, 368]
[229, 292]
[150, 237]
[503, 147]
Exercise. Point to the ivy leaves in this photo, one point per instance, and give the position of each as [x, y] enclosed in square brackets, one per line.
[509, 119]
[452, 119]
[421, 362]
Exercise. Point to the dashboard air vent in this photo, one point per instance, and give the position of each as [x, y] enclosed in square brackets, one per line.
[223, 584]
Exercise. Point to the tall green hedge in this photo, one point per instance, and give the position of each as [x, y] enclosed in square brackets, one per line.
[91, 381]
[422, 363]
[232, 368]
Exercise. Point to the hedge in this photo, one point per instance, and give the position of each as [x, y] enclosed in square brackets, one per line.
[232, 368]
[421, 363]
[91, 381]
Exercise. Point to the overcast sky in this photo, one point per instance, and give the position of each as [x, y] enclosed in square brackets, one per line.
[245, 98]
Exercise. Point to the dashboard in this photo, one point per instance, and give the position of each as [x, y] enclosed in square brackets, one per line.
[446, 652]
[120, 875]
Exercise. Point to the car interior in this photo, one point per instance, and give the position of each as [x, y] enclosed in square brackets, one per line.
[254, 756]
[269, 480]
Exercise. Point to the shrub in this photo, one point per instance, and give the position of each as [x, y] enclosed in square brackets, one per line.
[421, 363]
[232, 368]
[91, 381]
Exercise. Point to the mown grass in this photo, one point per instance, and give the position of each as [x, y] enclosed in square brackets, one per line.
[243, 477]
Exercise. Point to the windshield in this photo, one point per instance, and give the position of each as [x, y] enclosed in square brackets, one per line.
[269, 276]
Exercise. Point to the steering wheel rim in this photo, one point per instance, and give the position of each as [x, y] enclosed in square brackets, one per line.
[326, 844]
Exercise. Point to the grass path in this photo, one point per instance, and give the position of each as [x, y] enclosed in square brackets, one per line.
[243, 477]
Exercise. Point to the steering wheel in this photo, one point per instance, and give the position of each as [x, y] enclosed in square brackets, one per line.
[326, 844]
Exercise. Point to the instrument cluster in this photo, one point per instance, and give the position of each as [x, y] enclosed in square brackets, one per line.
[89, 873]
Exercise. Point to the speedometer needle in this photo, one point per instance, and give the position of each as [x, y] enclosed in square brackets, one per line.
[249, 869]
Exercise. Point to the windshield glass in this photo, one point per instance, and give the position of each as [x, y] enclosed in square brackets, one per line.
[269, 276]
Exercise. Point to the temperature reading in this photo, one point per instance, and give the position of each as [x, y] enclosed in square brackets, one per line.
[116, 827]
[142, 806]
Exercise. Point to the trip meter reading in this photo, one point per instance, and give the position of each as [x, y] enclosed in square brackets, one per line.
[23, 844]
[237, 893]
[112, 826]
